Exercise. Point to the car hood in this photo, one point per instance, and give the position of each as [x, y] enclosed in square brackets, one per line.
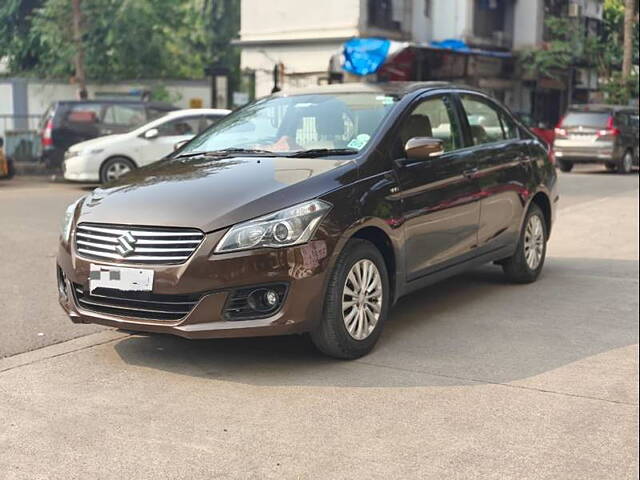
[99, 142]
[211, 194]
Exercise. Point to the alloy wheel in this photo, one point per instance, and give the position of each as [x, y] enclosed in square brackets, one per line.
[362, 299]
[116, 170]
[534, 242]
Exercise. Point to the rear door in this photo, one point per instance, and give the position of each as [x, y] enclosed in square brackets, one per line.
[75, 122]
[504, 169]
[440, 203]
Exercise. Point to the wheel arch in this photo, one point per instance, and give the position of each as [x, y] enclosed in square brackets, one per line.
[382, 241]
[541, 199]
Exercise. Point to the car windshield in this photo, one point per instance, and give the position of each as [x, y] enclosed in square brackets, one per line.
[329, 123]
[585, 119]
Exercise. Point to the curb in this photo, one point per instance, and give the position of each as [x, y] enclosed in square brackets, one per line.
[59, 349]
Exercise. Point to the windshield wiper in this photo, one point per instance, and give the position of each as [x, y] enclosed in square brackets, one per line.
[322, 152]
[225, 152]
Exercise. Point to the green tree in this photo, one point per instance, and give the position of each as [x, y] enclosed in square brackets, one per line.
[17, 44]
[123, 39]
[568, 46]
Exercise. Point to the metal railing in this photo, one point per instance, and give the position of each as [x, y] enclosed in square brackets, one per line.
[21, 136]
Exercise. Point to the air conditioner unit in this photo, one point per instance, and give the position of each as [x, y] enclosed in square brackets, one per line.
[575, 10]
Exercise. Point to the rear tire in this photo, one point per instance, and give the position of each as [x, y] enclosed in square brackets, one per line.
[626, 163]
[114, 168]
[526, 263]
[565, 166]
[354, 310]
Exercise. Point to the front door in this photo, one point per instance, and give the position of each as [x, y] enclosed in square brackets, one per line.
[439, 196]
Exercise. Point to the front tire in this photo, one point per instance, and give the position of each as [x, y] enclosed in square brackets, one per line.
[526, 263]
[356, 304]
[565, 166]
[114, 168]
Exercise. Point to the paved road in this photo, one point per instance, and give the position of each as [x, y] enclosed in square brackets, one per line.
[473, 378]
[30, 213]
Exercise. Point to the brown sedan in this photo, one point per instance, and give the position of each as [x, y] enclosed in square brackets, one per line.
[311, 211]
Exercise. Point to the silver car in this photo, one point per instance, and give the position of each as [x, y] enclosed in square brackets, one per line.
[605, 134]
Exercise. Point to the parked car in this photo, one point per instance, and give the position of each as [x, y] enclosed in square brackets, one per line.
[311, 211]
[106, 158]
[605, 134]
[543, 130]
[6, 164]
[66, 123]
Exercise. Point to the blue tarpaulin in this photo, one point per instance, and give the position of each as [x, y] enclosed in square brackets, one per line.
[363, 56]
[460, 46]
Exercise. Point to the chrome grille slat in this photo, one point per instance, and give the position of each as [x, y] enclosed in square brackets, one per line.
[142, 305]
[160, 245]
[141, 232]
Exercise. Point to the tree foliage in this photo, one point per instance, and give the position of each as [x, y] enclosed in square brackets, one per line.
[568, 46]
[123, 39]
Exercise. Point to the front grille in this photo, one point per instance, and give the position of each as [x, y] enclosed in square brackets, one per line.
[137, 244]
[144, 305]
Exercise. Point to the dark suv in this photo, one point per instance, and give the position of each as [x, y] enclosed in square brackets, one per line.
[605, 134]
[66, 123]
[312, 211]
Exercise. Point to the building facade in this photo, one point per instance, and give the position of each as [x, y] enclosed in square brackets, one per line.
[296, 43]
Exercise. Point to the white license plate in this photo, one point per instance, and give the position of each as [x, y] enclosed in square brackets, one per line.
[120, 278]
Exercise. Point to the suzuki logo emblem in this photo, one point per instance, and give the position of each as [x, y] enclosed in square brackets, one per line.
[126, 244]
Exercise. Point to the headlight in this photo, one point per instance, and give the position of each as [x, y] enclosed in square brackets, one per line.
[291, 226]
[67, 220]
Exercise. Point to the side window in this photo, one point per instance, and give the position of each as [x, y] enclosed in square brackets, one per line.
[634, 120]
[209, 120]
[484, 121]
[510, 128]
[125, 115]
[83, 113]
[435, 118]
[153, 113]
[179, 126]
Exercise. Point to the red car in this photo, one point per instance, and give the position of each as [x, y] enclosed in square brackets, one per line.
[541, 129]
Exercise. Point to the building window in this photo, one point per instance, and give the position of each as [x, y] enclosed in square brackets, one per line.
[381, 14]
[427, 8]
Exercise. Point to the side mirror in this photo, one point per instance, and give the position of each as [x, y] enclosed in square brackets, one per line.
[423, 148]
[151, 134]
[180, 144]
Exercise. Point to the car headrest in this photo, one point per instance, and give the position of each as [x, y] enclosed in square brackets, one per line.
[479, 134]
[415, 126]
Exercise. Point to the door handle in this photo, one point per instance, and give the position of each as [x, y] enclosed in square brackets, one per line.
[471, 173]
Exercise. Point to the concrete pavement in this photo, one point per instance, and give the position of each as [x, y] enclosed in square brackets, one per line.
[473, 378]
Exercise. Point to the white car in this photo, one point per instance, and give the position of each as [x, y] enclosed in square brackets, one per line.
[106, 158]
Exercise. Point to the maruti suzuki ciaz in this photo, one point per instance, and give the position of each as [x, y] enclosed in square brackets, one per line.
[312, 211]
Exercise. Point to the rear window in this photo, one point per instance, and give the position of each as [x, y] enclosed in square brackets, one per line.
[586, 119]
[83, 113]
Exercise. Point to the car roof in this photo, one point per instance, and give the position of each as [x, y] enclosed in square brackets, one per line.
[599, 108]
[185, 112]
[387, 88]
[159, 105]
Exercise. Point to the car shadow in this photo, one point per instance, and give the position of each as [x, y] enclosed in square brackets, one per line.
[471, 328]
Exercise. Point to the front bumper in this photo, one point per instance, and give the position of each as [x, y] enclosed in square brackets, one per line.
[81, 169]
[302, 268]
